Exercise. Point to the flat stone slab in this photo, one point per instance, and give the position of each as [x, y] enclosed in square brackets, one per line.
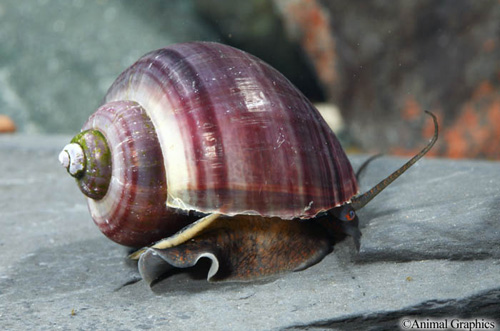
[430, 248]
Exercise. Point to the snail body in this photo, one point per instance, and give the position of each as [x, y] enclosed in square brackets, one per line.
[200, 141]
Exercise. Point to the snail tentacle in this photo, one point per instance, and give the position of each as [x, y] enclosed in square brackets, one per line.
[360, 201]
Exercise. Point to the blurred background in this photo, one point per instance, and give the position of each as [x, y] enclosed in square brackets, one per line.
[377, 64]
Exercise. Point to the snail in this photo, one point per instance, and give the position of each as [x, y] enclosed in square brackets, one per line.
[201, 150]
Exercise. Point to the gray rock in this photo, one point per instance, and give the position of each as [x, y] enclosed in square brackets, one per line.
[430, 248]
[58, 58]
[449, 210]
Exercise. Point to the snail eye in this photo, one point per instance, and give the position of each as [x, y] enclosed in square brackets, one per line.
[344, 213]
[350, 215]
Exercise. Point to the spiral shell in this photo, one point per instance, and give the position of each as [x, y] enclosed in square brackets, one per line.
[235, 134]
[208, 128]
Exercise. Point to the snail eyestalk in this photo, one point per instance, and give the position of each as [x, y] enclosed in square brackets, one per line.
[360, 201]
[88, 159]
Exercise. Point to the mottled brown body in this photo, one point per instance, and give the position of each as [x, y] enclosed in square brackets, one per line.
[249, 247]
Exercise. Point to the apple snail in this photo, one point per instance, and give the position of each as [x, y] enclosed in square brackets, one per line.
[200, 150]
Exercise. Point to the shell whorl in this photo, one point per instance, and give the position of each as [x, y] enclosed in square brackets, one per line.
[133, 210]
[87, 158]
[236, 135]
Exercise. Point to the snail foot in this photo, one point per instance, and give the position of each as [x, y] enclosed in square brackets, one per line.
[239, 248]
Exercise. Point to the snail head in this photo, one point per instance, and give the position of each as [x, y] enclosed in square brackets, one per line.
[345, 216]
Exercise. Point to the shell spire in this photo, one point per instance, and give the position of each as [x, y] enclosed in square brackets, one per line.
[87, 159]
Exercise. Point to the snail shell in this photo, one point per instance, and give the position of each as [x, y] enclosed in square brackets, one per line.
[208, 128]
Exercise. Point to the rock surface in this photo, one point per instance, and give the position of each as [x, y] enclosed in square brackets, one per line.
[430, 248]
[58, 58]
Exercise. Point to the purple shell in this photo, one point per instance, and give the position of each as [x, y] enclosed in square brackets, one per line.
[236, 136]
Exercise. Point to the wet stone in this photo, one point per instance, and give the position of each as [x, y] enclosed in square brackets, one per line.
[430, 247]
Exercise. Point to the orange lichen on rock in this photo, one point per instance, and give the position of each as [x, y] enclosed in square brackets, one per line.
[6, 124]
[411, 110]
[476, 132]
[457, 144]
[489, 45]
[493, 149]
[484, 89]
